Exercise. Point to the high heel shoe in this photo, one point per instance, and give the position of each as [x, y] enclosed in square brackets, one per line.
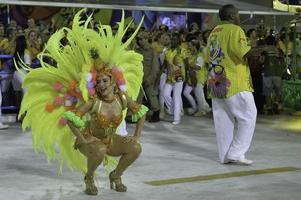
[116, 183]
[91, 189]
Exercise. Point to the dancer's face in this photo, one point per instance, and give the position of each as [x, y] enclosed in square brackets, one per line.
[104, 86]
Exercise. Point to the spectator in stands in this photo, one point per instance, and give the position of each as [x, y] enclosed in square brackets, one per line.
[19, 31]
[8, 45]
[21, 55]
[33, 44]
[31, 26]
[13, 24]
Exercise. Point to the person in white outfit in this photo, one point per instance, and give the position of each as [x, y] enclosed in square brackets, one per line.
[196, 76]
[175, 77]
[160, 48]
[230, 87]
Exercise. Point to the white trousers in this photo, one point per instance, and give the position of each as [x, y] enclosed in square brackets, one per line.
[163, 78]
[234, 122]
[189, 97]
[200, 104]
[162, 102]
[200, 98]
[174, 102]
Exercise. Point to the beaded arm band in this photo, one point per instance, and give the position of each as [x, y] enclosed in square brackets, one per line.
[75, 119]
[140, 113]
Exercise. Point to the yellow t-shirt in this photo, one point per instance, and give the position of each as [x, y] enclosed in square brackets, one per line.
[184, 47]
[3, 42]
[227, 46]
[198, 59]
[175, 65]
[157, 47]
[7, 46]
[202, 74]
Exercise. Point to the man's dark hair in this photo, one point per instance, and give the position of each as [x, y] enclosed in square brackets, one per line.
[226, 11]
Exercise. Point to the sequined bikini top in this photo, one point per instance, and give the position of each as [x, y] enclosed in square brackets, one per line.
[104, 121]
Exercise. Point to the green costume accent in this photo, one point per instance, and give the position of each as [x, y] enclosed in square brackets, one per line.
[142, 111]
[76, 120]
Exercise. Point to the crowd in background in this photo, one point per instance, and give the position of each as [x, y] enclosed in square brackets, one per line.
[175, 65]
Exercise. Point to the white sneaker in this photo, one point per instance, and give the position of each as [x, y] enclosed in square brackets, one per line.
[242, 161]
[3, 126]
[176, 122]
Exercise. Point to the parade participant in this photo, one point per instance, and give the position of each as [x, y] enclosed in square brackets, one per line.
[160, 48]
[230, 87]
[175, 76]
[196, 77]
[81, 94]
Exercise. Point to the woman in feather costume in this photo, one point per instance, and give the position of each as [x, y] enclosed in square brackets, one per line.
[82, 94]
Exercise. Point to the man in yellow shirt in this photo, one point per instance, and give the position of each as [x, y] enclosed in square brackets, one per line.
[230, 87]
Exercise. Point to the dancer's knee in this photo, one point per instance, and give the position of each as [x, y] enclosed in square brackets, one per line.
[137, 149]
